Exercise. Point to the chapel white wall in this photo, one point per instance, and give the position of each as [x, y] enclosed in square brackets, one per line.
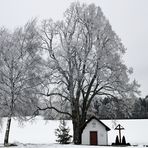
[101, 132]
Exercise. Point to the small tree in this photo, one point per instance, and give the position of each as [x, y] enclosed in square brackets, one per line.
[62, 133]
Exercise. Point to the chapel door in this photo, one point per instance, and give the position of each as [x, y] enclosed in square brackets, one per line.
[93, 138]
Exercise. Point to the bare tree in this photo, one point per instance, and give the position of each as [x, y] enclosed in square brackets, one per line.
[19, 61]
[85, 60]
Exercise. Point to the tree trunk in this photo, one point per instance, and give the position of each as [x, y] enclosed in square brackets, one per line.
[76, 132]
[7, 131]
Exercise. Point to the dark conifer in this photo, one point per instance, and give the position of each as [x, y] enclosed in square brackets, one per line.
[62, 133]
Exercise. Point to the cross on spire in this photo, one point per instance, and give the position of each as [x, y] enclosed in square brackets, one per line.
[119, 127]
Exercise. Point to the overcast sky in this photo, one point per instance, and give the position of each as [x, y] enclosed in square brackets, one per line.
[129, 19]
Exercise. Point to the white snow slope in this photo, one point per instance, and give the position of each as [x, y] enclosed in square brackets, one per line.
[41, 133]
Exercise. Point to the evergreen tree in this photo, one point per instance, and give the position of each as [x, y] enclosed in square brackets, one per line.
[62, 133]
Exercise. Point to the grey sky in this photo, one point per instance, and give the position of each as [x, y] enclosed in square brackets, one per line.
[129, 19]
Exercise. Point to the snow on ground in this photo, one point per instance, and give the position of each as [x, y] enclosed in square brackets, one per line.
[37, 131]
[66, 146]
[136, 131]
[42, 132]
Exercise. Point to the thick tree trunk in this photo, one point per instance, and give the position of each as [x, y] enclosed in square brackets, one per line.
[6, 139]
[76, 132]
[78, 120]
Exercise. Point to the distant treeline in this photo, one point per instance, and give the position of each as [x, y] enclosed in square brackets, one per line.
[113, 108]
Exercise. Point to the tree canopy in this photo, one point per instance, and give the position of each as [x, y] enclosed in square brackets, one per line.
[84, 61]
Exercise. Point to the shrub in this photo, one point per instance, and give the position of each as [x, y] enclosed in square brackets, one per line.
[117, 141]
[123, 140]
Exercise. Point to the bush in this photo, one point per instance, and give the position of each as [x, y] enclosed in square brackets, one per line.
[123, 140]
[117, 141]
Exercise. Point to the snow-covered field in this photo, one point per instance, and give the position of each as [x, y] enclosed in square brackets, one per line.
[40, 133]
[65, 146]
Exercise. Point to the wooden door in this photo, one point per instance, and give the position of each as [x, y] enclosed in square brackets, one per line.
[93, 138]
